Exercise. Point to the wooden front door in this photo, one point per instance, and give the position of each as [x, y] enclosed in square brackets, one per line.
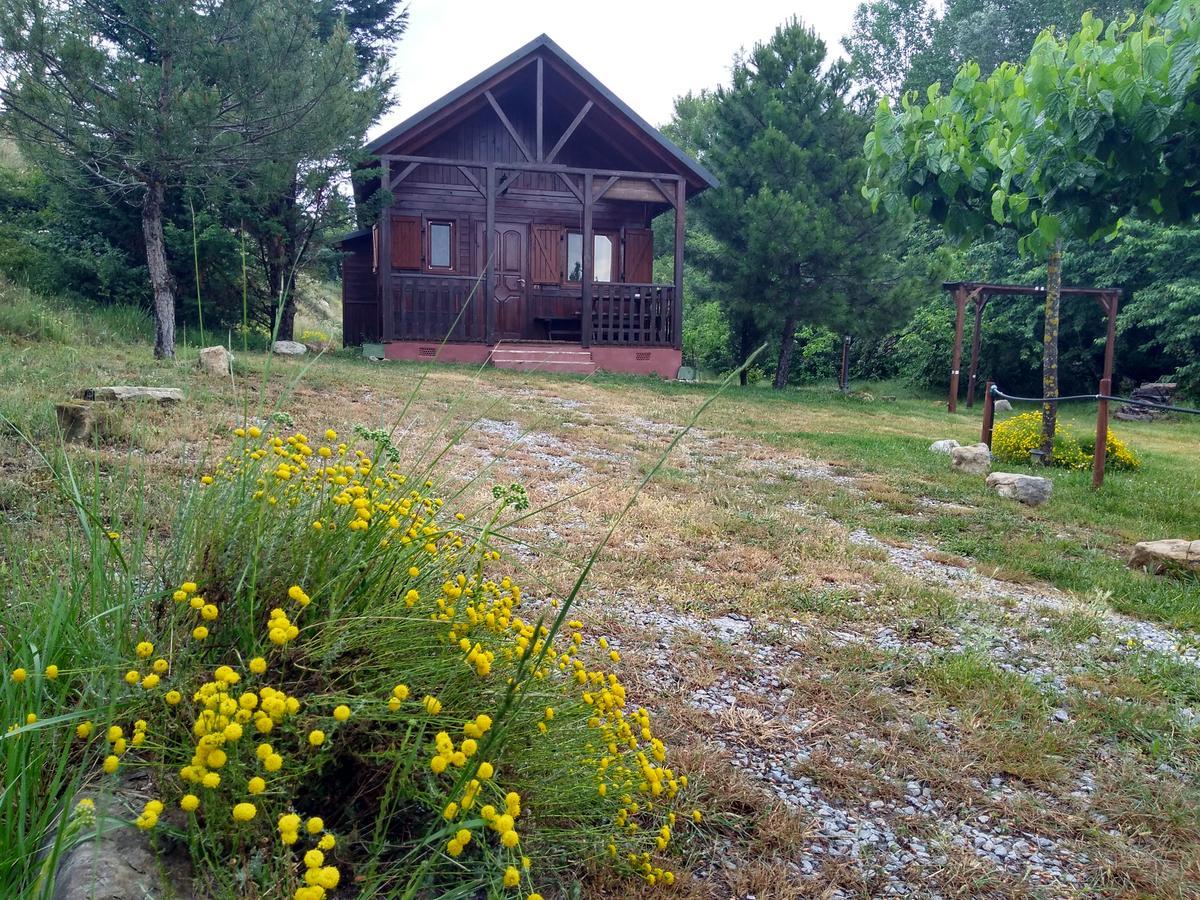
[510, 263]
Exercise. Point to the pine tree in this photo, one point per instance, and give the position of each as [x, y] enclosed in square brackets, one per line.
[133, 97]
[798, 244]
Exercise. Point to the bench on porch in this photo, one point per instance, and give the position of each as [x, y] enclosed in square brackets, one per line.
[561, 328]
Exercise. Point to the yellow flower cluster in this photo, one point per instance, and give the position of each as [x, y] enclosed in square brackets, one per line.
[254, 743]
[1014, 438]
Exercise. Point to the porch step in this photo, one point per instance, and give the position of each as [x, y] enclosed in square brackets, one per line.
[544, 359]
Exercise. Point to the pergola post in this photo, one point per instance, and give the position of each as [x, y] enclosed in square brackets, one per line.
[989, 416]
[981, 300]
[960, 307]
[1099, 456]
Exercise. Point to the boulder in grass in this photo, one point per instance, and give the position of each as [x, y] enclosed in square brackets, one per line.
[974, 460]
[944, 446]
[1002, 405]
[215, 361]
[289, 348]
[1032, 490]
[1163, 557]
[124, 393]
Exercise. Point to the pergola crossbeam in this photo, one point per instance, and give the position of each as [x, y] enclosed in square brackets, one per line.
[979, 293]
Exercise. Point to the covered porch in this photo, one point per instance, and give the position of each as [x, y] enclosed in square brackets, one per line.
[503, 293]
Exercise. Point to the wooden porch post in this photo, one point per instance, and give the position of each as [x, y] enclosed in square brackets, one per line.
[980, 302]
[585, 299]
[489, 250]
[677, 310]
[960, 304]
[387, 300]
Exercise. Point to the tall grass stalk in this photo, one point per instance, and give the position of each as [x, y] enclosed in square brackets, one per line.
[196, 272]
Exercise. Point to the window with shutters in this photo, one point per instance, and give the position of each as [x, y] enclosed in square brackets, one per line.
[406, 242]
[439, 254]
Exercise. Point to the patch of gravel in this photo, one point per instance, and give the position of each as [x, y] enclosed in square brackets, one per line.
[1030, 600]
[888, 839]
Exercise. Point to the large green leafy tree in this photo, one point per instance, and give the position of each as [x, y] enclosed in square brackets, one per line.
[796, 242]
[1065, 144]
[133, 97]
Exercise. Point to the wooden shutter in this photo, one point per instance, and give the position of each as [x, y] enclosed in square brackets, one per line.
[406, 242]
[547, 247]
[639, 256]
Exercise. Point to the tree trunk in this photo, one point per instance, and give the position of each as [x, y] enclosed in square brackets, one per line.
[161, 281]
[287, 318]
[787, 344]
[1050, 349]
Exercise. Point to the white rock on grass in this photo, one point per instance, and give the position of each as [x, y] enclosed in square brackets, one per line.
[974, 460]
[944, 446]
[289, 348]
[215, 361]
[1160, 557]
[1002, 405]
[1032, 490]
[123, 393]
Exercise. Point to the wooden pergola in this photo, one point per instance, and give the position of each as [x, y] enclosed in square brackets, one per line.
[979, 293]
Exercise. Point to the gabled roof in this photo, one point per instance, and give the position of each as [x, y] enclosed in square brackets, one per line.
[688, 166]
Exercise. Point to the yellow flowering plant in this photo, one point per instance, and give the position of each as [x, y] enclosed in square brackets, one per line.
[1014, 438]
[341, 682]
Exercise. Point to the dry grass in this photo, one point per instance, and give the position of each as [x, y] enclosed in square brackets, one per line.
[751, 522]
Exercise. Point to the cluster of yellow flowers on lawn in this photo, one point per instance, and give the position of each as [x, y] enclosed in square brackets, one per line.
[1013, 439]
[247, 734]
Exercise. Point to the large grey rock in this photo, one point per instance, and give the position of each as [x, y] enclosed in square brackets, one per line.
[944, 446]
[974, 460]
[1002, 405]
[215, 361]
[1032, 490]
[124, 392]
[289, 348]
[1161, 557]
[115, 861]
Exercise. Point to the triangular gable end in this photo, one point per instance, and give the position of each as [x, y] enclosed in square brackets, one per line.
[628, 138]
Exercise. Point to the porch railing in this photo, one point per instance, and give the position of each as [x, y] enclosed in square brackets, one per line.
[633, 314]
[436, 307]
[428, 307]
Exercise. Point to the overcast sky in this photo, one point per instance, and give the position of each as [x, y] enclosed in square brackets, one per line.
[646, 51]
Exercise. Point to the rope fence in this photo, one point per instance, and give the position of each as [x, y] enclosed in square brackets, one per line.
[1103, 397]
[1128, 401]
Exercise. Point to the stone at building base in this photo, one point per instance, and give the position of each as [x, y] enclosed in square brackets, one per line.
[1032, 490]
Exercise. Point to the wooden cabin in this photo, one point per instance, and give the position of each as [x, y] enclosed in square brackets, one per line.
[518, 229]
